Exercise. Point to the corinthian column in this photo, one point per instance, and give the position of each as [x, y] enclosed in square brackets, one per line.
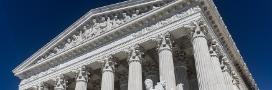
[61, 83]
[166, 64]
[82, 79]
[108, 75]
[218, 74]
[135, 69]
[203, 64]
[226, 73]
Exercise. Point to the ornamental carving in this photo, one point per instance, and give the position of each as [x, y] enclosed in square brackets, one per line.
[98, 26]
[167, 21]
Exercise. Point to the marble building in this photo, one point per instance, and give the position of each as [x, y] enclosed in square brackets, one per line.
[141, 45]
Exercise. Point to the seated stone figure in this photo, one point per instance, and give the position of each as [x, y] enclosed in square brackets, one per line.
[149, 85]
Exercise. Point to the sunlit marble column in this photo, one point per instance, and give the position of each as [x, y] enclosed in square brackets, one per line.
[108, 74]
[82, 79]
[218, 74]
[226, 73]
[166, 64]
[135, 69]
[203, 64]
[61, 83]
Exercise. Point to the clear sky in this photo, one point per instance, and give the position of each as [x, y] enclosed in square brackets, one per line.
[27, 25]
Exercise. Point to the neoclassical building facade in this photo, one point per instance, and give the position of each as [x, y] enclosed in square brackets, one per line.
[141, 45]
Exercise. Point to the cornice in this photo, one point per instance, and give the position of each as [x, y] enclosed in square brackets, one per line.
[223, 34]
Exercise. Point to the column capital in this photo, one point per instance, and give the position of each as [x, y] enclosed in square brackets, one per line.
[225, 64]
[41, 86]
[61, 83]
[235, 77]
[164, 42]
[82, 74]
[198, 30]
[213, 52]
[135, 54]
[214, 49]
[109, 64]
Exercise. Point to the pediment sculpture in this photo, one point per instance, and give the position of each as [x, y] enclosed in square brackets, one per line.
[97, 27]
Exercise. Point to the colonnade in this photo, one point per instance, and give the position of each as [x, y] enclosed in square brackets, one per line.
[210, 76]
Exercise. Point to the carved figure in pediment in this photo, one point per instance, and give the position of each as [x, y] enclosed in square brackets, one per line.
[74, 41]
[56, 49]
[87, 32]
[137, 12]
[67, 45]
[51, 54]
[40, 60]
[77, 39]
[80, 36]
[116, 22]
[103, 24]
[109, 24]
[94, 30]
[126, 17]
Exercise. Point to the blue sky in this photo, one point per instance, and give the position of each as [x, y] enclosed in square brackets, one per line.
[27, 25]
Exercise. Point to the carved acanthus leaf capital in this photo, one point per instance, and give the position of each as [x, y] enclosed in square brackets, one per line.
[198, 29]
[109, 63]
[135, 54]
[61, 83]
[165, 42]
[82, 74]
[225, 64]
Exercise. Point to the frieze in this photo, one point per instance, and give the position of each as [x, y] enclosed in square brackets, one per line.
[167, 21]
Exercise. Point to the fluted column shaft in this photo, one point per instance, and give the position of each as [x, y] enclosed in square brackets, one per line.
[82, 79]
[218, 74]
[203, 62]
[135, 70]
[166, 64]
[108, 76]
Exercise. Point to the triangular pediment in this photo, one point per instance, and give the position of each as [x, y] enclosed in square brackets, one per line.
[92, 25]
[103, 25]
